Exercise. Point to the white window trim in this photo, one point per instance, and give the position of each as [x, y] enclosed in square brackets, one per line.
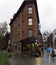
[30, 21]
[29, 10]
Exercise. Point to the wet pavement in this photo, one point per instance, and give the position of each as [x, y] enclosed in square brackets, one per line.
[18, 59]
[24, 60]
[48, 60]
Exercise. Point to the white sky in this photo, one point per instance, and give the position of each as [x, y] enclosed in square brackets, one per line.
[46, 9]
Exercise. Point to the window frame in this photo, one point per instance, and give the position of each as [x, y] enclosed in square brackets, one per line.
[23, 24]
[30, 21]
[30, 9]
[30, 32]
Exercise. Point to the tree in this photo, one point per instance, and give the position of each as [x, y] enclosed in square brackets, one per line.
[47, 38]
[3, 31]
[3, 28]
[51, 39]
[5, 40]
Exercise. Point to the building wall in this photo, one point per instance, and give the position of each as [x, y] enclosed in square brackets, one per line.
[17, 26]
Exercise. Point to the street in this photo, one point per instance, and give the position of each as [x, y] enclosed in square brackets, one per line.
[48, 60]
[29, 60]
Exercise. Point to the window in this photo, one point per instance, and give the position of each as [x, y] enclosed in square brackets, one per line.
[18, 24]
[22, 24]
[22, 33]
[30, 32]
[22, 14]
[30, 21]
[18, 35]
[30, 10]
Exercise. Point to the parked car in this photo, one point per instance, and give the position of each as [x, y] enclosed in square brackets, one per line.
[53, 52]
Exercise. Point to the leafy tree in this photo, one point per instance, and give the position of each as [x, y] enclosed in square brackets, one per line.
[5, 40]
[48, 38]
[3, 31]
[3, 28]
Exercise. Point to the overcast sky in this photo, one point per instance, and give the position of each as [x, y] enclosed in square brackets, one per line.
[46, 9]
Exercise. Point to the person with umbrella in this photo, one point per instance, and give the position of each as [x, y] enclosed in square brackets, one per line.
[48, 49]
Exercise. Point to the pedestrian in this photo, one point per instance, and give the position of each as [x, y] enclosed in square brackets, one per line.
[42, 51]
[48, 49]
[8, 49]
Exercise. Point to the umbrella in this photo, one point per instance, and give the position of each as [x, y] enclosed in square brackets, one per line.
[48, 49]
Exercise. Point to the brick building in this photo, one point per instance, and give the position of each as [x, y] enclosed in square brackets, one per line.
[25, 27]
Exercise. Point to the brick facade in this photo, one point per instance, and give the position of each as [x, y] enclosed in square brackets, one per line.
[19, 24]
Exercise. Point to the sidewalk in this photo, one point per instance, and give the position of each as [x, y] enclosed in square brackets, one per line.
[14, 59]
[18, 59]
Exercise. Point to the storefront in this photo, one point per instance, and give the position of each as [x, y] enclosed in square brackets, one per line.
[28, 45]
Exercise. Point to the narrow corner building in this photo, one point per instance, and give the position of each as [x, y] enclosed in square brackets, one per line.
[24, 28]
